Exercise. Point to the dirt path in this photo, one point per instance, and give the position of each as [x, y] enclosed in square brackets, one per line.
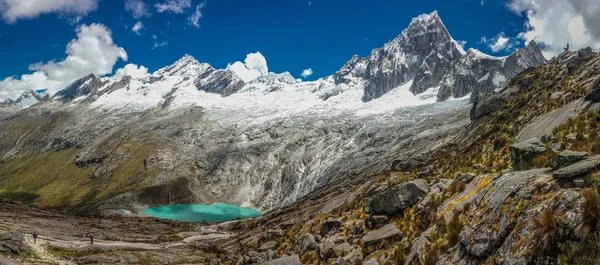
[41, 251]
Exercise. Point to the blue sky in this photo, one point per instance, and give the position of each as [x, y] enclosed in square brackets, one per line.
[293, 35]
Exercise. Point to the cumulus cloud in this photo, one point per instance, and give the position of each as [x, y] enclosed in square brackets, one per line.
[462, 43]
[554, 23]
[134, 71]
[253, 67]
[499, 43]
[173, 6]
[307, 72]
[137, 8]
[195, 18]
[13, 10]
[93, 51]
[137, 27]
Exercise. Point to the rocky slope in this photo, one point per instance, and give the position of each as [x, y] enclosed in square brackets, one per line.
[489, 196]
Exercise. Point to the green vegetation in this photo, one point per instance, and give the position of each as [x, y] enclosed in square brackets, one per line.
[51, 179]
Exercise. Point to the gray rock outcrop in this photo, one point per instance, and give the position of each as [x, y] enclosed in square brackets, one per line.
[394, 200]
[13, 243]
[389, 232]
[304, 243]
[578, 169]
[565, 158]
[523, 153]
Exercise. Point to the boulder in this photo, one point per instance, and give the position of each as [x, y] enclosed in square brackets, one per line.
[330, 226]
[286, 260]
[268, 245]
[557, 147]
[578, 169]
[394, 200]
[523, 153]
[252, 257]
[274, 233]
[334, 247]
[593, 96]
[13, 243]
[376, 221]
[389, 232]
[354, 257]
[565, 158]
[304, 243]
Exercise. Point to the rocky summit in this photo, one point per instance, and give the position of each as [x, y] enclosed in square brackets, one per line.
[420, 153]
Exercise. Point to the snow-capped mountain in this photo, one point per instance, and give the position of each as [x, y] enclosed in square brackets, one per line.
[481, 73]
[424, 57]
[424, 53]
[27, 98]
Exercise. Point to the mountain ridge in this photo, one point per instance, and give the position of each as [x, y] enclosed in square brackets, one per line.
[424, 54]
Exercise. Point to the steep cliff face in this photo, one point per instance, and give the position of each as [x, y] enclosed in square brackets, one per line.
[479, 73]
[424, 52]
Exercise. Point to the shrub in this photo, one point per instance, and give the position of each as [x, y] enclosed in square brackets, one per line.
[591, 210]
[454, 227]
[546, 228]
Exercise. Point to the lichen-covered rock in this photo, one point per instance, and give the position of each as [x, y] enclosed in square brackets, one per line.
[334, 247]
[354, 257]
[578, 169]
[389, 232]
[523, 153]
[565, 158]
[304, 243]
[394, 200]
[500, 224]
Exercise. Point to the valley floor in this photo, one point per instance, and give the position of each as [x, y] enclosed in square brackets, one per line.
[64, 239]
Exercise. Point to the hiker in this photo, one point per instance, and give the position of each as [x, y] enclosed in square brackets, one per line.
[34, 237]
[567, 48]
[91, 239]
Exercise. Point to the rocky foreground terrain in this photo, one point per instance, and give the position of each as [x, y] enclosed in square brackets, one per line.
[361, 167]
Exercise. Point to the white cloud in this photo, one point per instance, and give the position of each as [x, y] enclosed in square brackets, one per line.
[307, 72]
[134, 71]
[93, 51]
[499, 43]
[13, 10]
[558, 22]
[137, 7]
[159, 44]
[253, 67]
[462, 43]
[195, 18]
[137, 27]
[173, 6]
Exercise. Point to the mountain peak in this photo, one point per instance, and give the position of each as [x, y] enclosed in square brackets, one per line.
[425, 24]
[433, 16]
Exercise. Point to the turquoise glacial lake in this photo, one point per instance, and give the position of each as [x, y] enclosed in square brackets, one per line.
[218, 212]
